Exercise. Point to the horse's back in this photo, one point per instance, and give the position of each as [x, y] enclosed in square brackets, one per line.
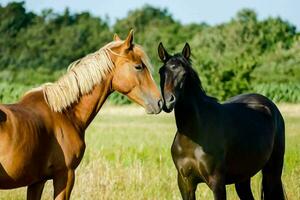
[254, 101]
[259, 104]
[256, 109]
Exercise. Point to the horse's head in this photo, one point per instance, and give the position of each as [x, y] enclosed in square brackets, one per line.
[132, 75]
[173, 74]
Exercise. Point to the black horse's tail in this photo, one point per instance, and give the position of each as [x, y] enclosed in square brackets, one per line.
[272, 187]
[262, 193]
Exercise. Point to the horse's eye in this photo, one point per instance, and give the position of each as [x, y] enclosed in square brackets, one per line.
[138, 67]
[173, 67]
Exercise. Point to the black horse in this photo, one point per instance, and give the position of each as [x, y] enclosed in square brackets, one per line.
[217, 143]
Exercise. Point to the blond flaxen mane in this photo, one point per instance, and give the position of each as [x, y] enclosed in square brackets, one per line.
[82, 76]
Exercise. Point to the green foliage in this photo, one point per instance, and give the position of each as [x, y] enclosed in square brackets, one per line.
[117, 98]
[227, 81]
[281, 65]
[280, 92]
[51, 40]
[243, 55]
[11, 93]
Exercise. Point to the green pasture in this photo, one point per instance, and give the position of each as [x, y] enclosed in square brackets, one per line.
[128, 157]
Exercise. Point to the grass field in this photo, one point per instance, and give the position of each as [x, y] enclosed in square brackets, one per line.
[128, 157]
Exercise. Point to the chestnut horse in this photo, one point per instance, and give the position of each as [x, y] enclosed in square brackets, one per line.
[217, 143]
[42, 136]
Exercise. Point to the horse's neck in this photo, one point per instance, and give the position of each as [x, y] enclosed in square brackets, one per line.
[89, 105]
[192, 111]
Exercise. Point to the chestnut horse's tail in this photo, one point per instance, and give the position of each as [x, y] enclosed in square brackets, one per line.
[272, 187]
[3, 116]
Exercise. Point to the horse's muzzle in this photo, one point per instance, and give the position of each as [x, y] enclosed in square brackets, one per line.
[154, 107]
[169, 103]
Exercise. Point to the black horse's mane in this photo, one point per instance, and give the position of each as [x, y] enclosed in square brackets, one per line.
[193, 77]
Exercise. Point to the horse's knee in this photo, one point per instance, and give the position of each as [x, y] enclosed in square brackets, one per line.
[218, 186]
[243, 190]
[187, 187]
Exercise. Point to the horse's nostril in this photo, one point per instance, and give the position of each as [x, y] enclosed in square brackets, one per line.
[172, 98]
[160, 103]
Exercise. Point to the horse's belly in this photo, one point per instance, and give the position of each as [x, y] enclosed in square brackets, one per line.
[242, 167]
[248, 153]
[236, 177]
[18, 169]
[10, 182]
[18, 173]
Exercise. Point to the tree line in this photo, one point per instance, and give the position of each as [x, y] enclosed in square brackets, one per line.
[243, 55]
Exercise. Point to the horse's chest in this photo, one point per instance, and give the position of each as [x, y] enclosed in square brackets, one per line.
[190, 158]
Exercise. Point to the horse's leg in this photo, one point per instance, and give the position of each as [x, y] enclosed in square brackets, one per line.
[187, 187]
[34, 191]
[243, 190]
[63, 184]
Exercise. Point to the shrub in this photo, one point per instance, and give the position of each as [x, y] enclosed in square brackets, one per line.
[280, 92]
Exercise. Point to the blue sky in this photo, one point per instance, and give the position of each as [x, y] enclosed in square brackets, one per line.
[187, 11]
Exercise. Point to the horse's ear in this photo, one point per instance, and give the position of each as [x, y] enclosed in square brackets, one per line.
[162, 53]
[129, 40]
[116, 37]
[186, 51]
